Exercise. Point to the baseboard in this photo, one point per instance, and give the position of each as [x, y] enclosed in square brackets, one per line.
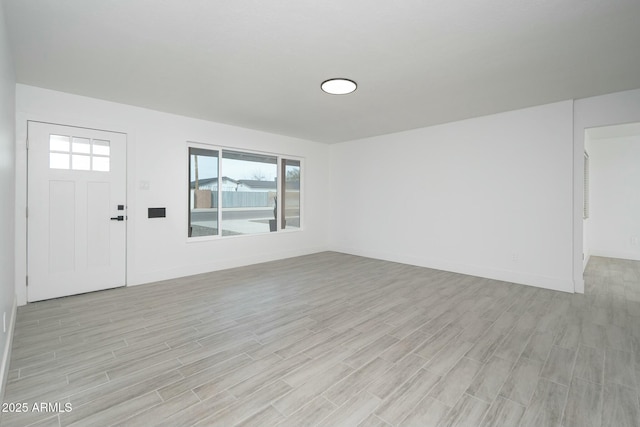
[633, 256]
[471, 270]
[578, 285]
[218, 265]
[586, 261]
[6, 356]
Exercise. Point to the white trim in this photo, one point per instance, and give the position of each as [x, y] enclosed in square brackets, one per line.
[212, 146]
[585, 185]
[587, 257]
[633, 256]
[279, 216]
[545, 282]
[303, 194]
[216, 265]
[6, 356]
[203, 239]
[22, 120]
[219, 195]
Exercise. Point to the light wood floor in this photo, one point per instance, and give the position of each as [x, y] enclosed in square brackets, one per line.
[332, 339]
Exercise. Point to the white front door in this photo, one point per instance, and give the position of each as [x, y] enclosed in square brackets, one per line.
[76, 210]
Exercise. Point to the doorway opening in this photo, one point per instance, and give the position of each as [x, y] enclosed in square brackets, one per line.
[611, 228]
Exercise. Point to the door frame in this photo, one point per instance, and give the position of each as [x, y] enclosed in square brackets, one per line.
[21, 189]
[604, 110]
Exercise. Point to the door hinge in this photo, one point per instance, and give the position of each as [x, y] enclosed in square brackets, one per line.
[26, 280]
[27, 143]
[26, 211]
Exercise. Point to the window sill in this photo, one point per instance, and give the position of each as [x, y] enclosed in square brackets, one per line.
[201, 239]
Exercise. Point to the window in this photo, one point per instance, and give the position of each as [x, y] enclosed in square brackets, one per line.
[79, 154]
[249, 193]
[203, 192]
[257, 192]
[585, 188]
[291, 193]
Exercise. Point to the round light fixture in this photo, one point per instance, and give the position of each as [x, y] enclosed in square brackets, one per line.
[338, 86]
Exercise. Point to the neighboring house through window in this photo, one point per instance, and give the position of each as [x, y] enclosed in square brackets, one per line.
[236, 192]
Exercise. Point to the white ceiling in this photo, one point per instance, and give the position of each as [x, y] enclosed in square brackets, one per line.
[259, 64]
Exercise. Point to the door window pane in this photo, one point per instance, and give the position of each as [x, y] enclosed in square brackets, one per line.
[58, 143]
[101, 148]
[203, 192]
[81, 145]
[58, 152]
[58, 161]
[101, 151]
[249, 193]
[80, 162]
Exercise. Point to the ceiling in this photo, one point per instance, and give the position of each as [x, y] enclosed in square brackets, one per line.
[259, 64]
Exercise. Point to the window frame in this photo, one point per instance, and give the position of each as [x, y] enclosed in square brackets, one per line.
[72, 153]
[218, 216]
[282, 179]
[280, 213]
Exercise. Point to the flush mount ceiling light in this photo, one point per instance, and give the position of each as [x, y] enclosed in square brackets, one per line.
[338, 86]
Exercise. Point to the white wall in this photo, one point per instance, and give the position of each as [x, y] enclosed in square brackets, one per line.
[158, 248]
[614, 229]
[612, 109]
[7, 180]
[489, 196]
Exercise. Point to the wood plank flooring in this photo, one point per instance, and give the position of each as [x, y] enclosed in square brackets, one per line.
[334, 340]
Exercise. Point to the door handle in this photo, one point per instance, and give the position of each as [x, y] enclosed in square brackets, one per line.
[118, 218]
